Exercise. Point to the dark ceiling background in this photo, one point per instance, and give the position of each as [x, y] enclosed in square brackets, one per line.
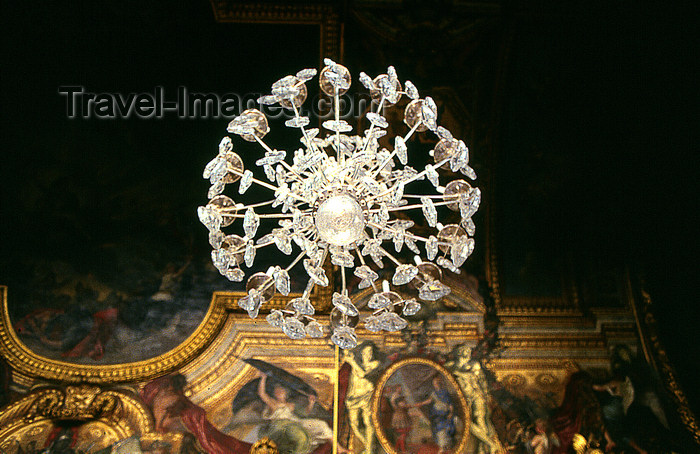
[600, 104]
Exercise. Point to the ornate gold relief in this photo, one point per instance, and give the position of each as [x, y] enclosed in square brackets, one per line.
[264, 446]
[31, 365]
[107, 416]
[657, 356]
[322, 15]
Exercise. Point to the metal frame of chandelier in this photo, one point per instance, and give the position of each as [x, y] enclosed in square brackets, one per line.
[338, 199]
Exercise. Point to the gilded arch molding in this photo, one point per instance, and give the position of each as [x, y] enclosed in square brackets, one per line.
[24, 361]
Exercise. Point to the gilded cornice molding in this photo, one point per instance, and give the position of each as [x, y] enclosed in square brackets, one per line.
[23, 360]
[323, 15]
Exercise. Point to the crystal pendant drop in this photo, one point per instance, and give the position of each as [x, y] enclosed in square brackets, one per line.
[235, 274]
[411, 307]
[344, 305]
[282, 282]
[366, 275]
[390, 321]
[316, 273]
[294, 328]
[431, 247]
[302, 305]
[314, 329]
[251, 222]
[249, 255]
[372, 323]
[344, 338]
[275, 318]
[379, 301]
[404, 274]
[433, 291]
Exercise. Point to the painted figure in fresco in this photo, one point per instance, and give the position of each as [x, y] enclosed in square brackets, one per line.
[62, 443]
[77, 331]
[284, 408]
[358, 400]
[281, 414]
[400, 419]
[441, 415]
[175, 412]
[473, 383]
[545, 440]
[579, 412]
[170, 283]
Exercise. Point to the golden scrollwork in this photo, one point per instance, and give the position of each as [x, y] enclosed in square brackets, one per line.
[514, 380]
[110, 415]
[446, 376]
[264, 446]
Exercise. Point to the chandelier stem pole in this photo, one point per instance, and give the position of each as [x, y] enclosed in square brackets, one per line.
[342, 280]
[336, 398]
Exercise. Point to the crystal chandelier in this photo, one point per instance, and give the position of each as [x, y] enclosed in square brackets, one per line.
[339, 198]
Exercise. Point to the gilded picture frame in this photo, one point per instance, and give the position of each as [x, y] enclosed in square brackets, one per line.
[436, 370]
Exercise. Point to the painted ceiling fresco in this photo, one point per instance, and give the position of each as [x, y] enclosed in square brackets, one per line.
[548, 340]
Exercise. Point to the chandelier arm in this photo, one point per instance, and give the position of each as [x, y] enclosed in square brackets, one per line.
[295, 261]
[413, 236]
[343, 281]
[236, 208]
[270, 186]
[310, 142]
[391, 257]
[336, 110]
[309, 287]
[371, 127]
[435, 196]
[410, 180]
[410, 133]
[383, 164]
[283, 162]
[393, 153]
[323, 257]
[418, 205]
[264, 215]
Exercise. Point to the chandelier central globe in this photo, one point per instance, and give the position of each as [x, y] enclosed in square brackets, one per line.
[339, 220]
